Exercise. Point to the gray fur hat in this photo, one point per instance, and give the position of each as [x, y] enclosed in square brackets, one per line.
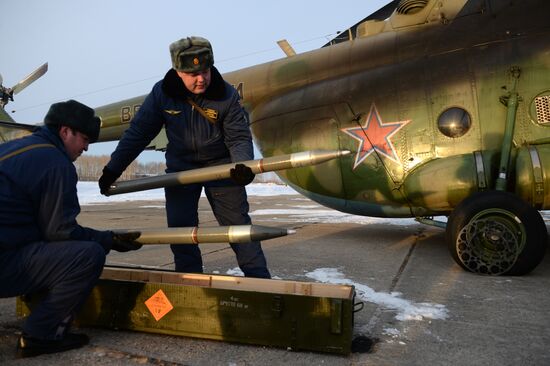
[75, 115]
[191, 54]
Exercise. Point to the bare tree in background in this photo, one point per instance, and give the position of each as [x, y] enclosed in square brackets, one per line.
[89, 168]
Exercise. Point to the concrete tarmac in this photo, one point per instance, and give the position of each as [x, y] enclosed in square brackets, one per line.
[490, 320]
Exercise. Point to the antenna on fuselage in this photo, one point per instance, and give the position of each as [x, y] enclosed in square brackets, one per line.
[286, 47]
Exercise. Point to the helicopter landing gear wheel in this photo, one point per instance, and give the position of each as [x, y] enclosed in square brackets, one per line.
[496, 233]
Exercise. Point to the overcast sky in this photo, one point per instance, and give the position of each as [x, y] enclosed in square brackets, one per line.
[103, 51]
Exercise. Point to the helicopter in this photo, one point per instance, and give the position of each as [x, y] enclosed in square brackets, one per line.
[445, 107]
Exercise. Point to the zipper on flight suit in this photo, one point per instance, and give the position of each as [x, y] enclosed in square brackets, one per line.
[193, 132]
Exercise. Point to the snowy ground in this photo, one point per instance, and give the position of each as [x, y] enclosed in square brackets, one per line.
[305, 210]
[88, 193]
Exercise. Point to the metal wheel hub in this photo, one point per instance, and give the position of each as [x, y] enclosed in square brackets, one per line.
[490, 245]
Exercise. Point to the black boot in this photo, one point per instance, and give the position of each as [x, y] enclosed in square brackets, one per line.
[30, 347]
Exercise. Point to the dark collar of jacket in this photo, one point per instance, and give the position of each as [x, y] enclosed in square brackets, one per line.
[52, 136]
[174, 86]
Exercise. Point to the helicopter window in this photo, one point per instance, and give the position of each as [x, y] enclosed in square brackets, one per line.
[454, 122]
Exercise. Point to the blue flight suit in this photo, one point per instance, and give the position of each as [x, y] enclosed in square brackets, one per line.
[196, 142]
[42, 247]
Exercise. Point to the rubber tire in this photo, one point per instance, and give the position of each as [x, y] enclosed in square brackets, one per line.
[537, 236]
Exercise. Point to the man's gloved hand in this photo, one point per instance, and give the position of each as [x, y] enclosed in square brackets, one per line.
[124, 242]
[241, 174]
[107, 178]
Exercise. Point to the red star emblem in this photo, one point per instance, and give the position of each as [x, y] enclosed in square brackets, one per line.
[375, 135]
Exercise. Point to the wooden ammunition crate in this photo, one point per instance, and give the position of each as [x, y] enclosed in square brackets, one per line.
[290, 314]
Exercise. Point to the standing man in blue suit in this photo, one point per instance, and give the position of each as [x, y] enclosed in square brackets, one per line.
[205, 125]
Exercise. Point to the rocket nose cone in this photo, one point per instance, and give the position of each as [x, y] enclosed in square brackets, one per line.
[259, 232]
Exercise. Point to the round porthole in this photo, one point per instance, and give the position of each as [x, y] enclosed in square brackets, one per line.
[454, 122]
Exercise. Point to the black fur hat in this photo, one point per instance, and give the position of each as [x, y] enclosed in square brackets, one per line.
[75, 115]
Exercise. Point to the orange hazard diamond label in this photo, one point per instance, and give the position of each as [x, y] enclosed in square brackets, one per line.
[159, 305]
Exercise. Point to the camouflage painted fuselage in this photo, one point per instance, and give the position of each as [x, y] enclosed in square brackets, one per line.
[10, 132]
[383, 94]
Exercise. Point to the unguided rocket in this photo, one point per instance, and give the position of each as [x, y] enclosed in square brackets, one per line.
[219, 172]
[204, 235]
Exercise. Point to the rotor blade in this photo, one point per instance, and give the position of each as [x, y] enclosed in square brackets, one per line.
[30, 79]
[384, 12]
[380, 14]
